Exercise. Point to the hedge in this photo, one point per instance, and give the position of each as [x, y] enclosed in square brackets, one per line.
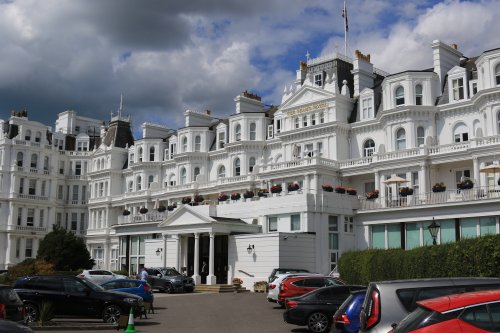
[468, 257]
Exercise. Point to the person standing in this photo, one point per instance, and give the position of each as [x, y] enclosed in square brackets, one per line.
[144, 274]
[204, 272]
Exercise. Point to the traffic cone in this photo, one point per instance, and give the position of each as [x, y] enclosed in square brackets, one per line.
[130, 327]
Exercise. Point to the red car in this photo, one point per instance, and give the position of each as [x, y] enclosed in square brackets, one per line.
[473, 312]
[300, 285]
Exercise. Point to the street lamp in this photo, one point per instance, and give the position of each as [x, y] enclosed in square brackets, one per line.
[434, 229]
[158, 251]
[250, 248]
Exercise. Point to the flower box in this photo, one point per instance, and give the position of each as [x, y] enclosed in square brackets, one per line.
[235, 196]
[223, 197]
[438, 187]
[351, 191]
[372, 195]
[237, 280]
[143, 210]
[248, 194]
[339, 189]
[293, 187]
[465, 185]
[405, 191]
[162, 208]
[327, 188]
[260, 287]
[198, 198]
[126, 212]
[186, 200]
[171, 207]
[276, 189]
[263, 192]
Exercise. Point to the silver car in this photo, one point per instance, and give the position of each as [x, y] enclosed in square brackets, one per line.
[99, 276]
[388, 302]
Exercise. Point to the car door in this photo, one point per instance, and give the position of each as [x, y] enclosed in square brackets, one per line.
[49, 290]
[153, 279]
[80, 299]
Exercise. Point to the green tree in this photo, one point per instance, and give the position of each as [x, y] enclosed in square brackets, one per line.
[66, 251]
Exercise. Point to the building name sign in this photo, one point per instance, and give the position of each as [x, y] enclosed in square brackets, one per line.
[309, 108]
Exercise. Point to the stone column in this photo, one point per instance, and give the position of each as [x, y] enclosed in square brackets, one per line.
[196, 275]
[164, 250]
[477, 175]
[377, 180]
[424, 181]
[10, 248]
[211, 279]
[307, 183]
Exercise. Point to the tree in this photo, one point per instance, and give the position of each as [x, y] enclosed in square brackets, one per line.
[66, 251]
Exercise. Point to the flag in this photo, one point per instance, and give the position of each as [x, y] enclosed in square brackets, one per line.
[344, 15]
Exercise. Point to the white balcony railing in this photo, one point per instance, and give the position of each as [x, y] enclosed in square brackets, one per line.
[139, 218]
[30, 228]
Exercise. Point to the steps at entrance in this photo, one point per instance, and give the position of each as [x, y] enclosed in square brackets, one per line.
[218, 288]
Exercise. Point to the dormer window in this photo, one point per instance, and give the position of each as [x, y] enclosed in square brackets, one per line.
[458, 89]
[497, 75]
[318, 79]
[367, 107]
[237, 132]
[400, 96]
[222, 140]
[418, 94]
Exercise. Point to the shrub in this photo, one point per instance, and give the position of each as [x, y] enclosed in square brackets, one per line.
[248, 194]
[171, 207]
[262, 192]
[276, 189]
[162, 208]
[327, 188]
[126, 212]
[351, 191]
[143, 210]
[186, 200]
[237, 280]
[198, 198]
[339, 189]
[405, 191]
[223, 197]
[439, 187]
[235, 196]
[372, 195]
[465, 184]
[293, 187]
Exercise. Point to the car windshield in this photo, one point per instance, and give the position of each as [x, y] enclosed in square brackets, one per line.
[92, 285]
[170, 272]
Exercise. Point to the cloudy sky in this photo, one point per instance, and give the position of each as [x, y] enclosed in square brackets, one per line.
[167, 56]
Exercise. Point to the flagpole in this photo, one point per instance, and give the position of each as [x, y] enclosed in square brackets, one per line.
[345, 29]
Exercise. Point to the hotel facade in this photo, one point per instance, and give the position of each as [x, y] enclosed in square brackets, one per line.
[352, 158]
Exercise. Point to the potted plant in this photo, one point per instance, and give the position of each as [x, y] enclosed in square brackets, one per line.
[327, 188]
[248, 194]
[465, 184]
[372, 195]
[351, 191]
[405, 191]
[172, 207]
[162, 208]
[438, 187]
[293, 186]
[237, 282]
[262, 192]
[143, 210]
[126, 212]
[260, 287]
[276, 189]
[235, 196]
[198, 198]
[186, 200]
[339, 189]
[222, 197]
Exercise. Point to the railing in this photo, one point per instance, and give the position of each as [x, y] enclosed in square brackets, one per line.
[431, 198]
[454, 147]
[138, 218]
[31, 197]
[30, 228]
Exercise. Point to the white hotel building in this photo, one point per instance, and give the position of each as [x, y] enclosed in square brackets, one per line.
[342, 122]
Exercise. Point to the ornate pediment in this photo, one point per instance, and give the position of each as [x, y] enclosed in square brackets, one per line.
[305, 96]
[185, 216]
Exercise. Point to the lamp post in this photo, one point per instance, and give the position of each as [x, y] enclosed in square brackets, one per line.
[434, 229]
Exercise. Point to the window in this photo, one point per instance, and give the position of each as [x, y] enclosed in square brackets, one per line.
[458, 89]
[46, 163]
[237, 132]
[418, 94]
[321, 117]
[478, 316]
[270, 131]
[415, 183]
[74, 221]
[313, 119]
[295, 222]
[43, 189]
[84, 192]
[401, 139]
[60, 192]
[184, 144]
[21, 185]
[320, 148]
[196, 172]
[272, 223]
[32, 187]
[333, 240]
[30, 219]
[461, 133]
[253, 131]
[139, 152]
[367, 108]
[378, 237]
[130, 186]
[28, 251]
[318, 79]
[75, 193]
[20, 158]
[34, 160]
[487, 226]
[222, 140]
[101, 187]
[369, 148]
[78, 168]
[348, 224]
[297, 122]
[18, 247]
[221, 173]
[151, 179]
[304, 121]
[183, 176]
[420, 136]
[468, 228]
[197, 143]
[237, 167]
[278, 125]
[41, 218]
[61, 167]
[497, 75]
[474, 88]
[151, 154]
[251, 164]
[412, 236]
[19, 216]
[400, 96]
[138, 182]
[27, 135]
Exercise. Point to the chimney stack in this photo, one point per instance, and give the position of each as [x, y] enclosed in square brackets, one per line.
[445, 58]
[363, 72]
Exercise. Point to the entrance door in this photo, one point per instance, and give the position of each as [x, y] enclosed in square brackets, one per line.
[220, 256]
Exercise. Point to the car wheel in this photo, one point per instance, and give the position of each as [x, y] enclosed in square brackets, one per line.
[168, 289]
[111, 313]
[31, 312]
[318, 322]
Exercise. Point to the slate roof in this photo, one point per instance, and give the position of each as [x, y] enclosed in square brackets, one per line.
[119, 134]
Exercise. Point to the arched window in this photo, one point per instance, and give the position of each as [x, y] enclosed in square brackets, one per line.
[197, 143]
[150, 180]
[461, 133]
[237, 132]
[151, 154]
[400, 96]
[172, 180]
[321, 117]
[138, 183]
[420, 136]
[20, 158]
[369, 148]
[27, 135]
[38, 136]
[304, 121]
[251, 164]
[196, 172]
[130, 186]
[297, 122]
[46, 163]
[253, 131]
[237, 167]
[313, 119]
[401, 139]
[497, 75]
[139, 152]
[34, 160]
[184, 144]
[183, 176]
[221, 173]
[418, 94]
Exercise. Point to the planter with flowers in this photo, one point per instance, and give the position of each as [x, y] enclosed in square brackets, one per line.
[162, 208]
[186, 200]
[339, 189]
[126, 212]
[260, 287]
[171, 207]
[438, 187]
[465, 185]
[237, 282]
[248, 194]
[327, 188]
[293, 187]
[276, 189]
[405, 191]
[198, 198]
[235, 196]
[372, 195]
[351, 191]
[262, 192]
[143, 210]
[223, 197]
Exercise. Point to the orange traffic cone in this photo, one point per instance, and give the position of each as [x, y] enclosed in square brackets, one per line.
[130, 327]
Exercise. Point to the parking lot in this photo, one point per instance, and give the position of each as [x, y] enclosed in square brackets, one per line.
[206, 312]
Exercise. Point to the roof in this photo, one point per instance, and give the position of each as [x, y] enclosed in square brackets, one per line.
[227, 220]
[458, 301]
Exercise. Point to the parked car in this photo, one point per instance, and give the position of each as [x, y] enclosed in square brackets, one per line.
[13, 327]
[100, 276]
[11, 306]
[274, 287]
[300, 285]
[169, 280]
[477, 311]
[277, 271]
[316, 308]
[73, 296]
[390, 301]
[136, 287]
[346, 319]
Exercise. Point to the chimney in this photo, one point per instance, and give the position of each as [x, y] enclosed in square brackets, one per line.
[248, 102]
[445, 58]
[301, 74]
[363, 72]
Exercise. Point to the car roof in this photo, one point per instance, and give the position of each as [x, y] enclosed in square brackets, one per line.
[457, 301]
[295, 278]
[434, 280]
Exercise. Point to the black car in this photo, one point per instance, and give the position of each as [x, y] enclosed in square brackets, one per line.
[75, 297]
[169, 280]
[316, 308]
[11, 306]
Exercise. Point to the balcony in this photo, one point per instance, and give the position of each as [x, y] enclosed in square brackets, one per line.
[432, 198]
[141, 218]
[30, 228]
[31, 197]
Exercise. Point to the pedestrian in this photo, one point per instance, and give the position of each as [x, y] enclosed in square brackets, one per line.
[204, 272]
[144, 274]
